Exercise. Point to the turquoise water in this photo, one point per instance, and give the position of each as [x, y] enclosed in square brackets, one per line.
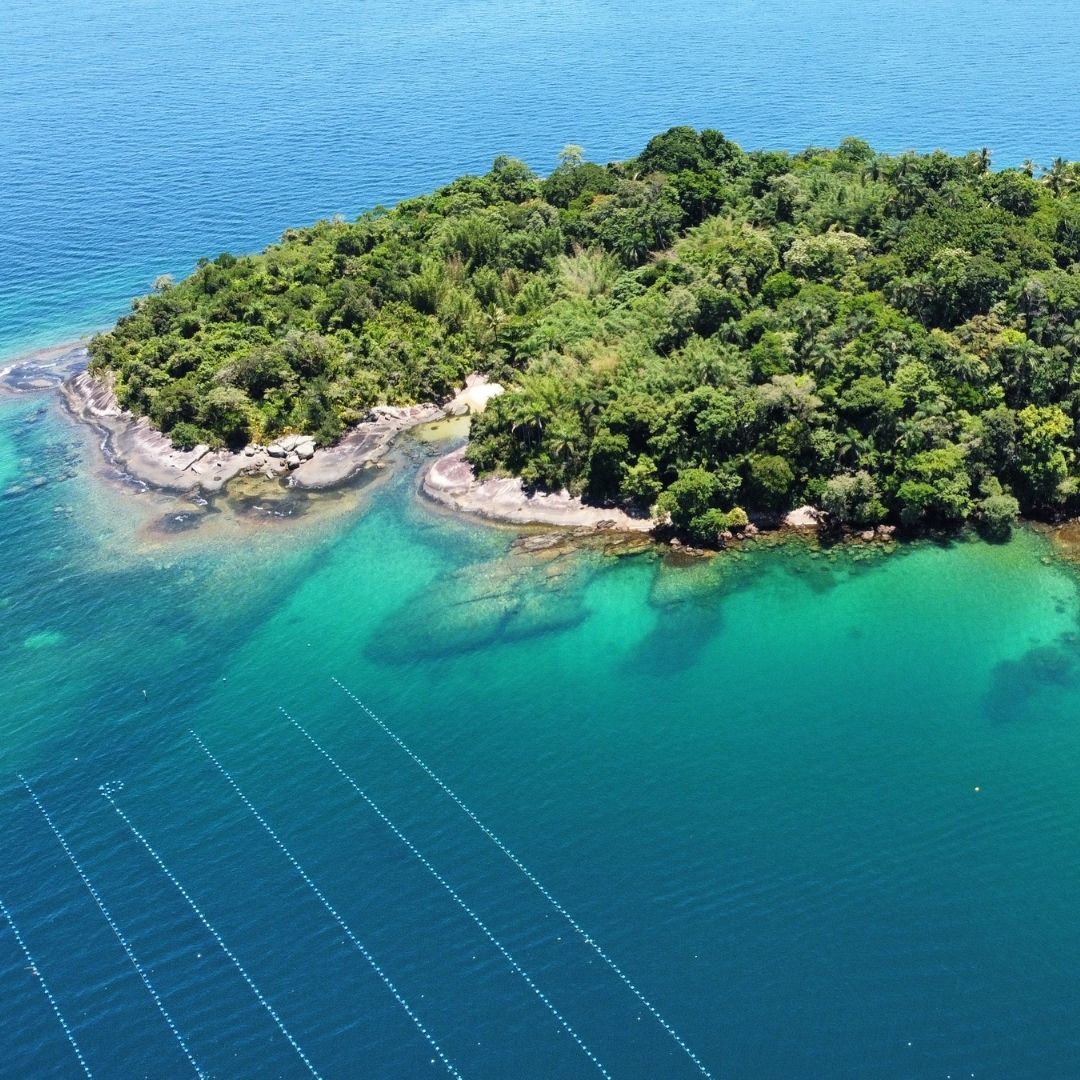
[820, 812]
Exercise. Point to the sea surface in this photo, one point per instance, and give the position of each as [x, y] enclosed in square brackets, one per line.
[783, 814]
[138, 135]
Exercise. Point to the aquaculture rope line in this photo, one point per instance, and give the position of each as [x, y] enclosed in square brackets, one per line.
[679, 1041]
[107, 790]
[45, 986]
[115, 929]
[454, 894]
[332, 910]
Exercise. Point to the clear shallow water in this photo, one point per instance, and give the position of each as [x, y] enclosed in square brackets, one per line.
[753, 782]
[137, 136]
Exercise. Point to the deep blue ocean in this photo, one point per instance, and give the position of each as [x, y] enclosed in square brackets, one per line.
[784, 814]
[139, 135]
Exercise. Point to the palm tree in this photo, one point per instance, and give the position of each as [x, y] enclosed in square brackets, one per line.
[562, 440]
[528, 416]
[851, 447]
[1069, 338]
[1057, 178]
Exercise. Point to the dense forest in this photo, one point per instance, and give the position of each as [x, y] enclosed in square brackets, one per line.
[700, 329]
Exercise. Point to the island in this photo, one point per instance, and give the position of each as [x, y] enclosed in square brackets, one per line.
[701, 337]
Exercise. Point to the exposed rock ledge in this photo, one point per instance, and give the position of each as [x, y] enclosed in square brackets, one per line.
[450, 480]
[803, 517]
[146, 455]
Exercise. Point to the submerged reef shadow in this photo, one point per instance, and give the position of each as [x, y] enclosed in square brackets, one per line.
[36, 456]
[1022, 688]
[681, 634]
[689, 597]
[481, 606]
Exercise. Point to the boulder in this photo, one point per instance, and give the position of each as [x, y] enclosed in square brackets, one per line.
[541, 542]
[802, 517]
[276, 450]
[293, 459]
[305, 451]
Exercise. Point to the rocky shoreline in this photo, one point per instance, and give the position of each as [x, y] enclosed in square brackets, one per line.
[147, 456]
[451, 482]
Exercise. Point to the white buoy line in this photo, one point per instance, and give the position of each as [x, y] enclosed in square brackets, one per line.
[531, 877]
[32, 963]
[151, 989]
[108, 791]
[361, 948]
[515, 966]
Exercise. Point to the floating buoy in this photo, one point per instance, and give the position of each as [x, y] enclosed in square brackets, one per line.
[32, 966]
[515, 966]
[142, 972]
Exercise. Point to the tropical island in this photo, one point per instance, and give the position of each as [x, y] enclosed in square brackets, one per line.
[701, 333]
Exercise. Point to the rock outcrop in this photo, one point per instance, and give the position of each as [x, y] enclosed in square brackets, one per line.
[144, 454]
[450, 481]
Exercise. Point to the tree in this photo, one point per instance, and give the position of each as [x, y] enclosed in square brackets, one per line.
[676, 149]
[893, 337]
[607, 461]
[852, 499]
[571, 156]
[769, 480]
[1043, 452]
[1058, 177]
[937, 490]
[641, 481]
[997, 515]
[691, 502]
[228, 412]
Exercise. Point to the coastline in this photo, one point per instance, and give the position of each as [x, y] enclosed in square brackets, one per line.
[43, 369]
[451, 482]
[147, 457]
